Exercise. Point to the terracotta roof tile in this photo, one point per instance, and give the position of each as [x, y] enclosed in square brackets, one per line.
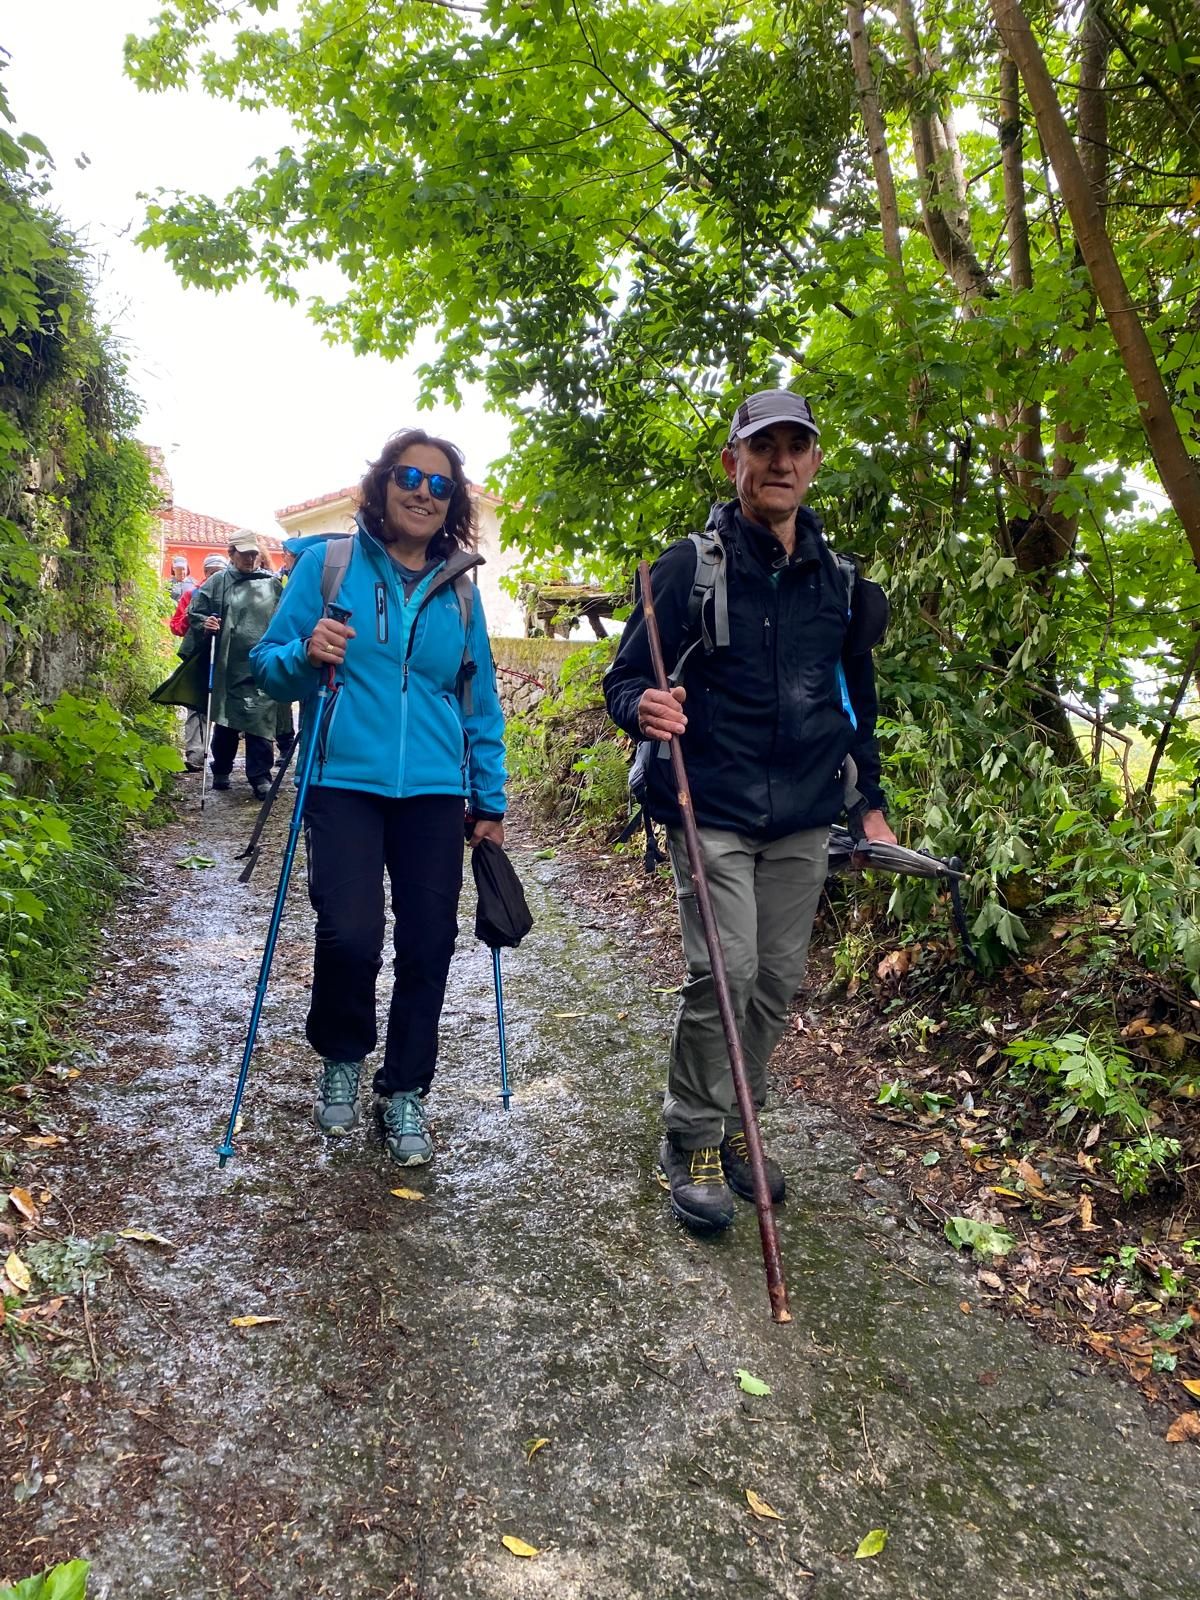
[181, 526]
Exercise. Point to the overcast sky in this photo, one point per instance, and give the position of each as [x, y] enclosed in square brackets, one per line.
[253, 409]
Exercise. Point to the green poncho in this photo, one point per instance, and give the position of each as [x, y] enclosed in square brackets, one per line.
[245, 602]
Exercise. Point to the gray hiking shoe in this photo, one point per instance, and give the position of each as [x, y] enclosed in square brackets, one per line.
[336, 1108]
[404, 1128]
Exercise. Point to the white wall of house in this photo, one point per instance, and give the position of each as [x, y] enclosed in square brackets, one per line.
[505, 619]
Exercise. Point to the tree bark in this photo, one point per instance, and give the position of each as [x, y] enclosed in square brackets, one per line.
[868, 100]
[1030, 456]
[1176, 468]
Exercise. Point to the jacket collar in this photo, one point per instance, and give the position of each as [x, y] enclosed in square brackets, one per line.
[729, 522]
[456, 562]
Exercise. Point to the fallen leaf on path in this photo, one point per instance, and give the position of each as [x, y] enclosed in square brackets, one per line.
[144, 1236]
[21, 1200]
[1085, 1215]
[898, 964]
[751, 1384]
[42, 1141]
[568, 1015]
[251, 1321]
[760, 1507]
[17, 1273]
[518, 1546]
[1185, 1427]
[196, 863]
[871, 1544]
[408, 1194]
[1192, 1385]
[532, 1446]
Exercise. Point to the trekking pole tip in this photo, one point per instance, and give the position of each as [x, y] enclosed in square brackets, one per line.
[224, 1151]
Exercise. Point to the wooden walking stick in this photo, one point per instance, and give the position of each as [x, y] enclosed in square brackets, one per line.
[772, 1261]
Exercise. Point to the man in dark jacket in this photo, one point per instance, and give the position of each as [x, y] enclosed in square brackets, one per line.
[770, 724]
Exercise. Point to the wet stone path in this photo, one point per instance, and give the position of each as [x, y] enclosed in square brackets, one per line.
[374, 1441]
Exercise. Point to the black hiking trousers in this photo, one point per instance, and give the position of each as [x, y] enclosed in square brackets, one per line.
[352, 839]
[224, 748]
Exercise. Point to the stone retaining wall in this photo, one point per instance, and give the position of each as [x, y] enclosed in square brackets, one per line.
[527, 669]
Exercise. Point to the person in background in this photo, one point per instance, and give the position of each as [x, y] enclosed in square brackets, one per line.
[181, 579]
[195, 734]
[413, 746]
[231, 611]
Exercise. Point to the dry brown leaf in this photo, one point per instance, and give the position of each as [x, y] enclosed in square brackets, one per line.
[251, 1321]
[144, 1236]
[408, 1194]
[1093, 1135]
[1139, 1028]
[42, 1141]
[1184, 1427]
[533, 1446]
[21, 1200]
[1031, 1177]
[518, 1546]
[17, 1273]
[1192, 1385]
[1085, 1215]
[760, 1508]
[898, 964]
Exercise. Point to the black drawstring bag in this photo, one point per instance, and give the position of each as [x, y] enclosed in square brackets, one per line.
[502, 919]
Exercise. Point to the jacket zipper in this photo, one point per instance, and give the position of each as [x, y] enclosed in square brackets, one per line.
[381, 613]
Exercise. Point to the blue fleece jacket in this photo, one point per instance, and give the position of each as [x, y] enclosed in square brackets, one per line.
[397, 727]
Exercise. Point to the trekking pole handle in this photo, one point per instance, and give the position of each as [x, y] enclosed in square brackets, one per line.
[772, 1260]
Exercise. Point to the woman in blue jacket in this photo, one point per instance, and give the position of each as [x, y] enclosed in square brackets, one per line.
[413, 741]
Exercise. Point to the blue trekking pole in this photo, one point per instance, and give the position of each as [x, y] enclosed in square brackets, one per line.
[225, 1150]
[505, 1092]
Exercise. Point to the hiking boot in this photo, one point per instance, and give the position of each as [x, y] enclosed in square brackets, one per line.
[336, 1109]
[220, 780]
[735, 1160]
[404, 1128]
[699, 1195]
[261, 788]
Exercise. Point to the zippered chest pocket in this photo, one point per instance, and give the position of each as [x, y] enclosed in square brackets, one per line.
[381, 613]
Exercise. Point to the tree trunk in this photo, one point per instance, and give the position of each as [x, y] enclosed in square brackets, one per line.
[868, 100]
[1176, 469]
[1030, 457]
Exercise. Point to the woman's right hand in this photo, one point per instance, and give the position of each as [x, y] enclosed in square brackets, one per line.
[212, 624]
[327, 645]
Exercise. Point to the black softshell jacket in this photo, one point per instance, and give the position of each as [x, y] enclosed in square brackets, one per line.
[767, 732]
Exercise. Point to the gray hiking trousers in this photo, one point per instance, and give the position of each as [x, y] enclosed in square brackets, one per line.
[765, 896]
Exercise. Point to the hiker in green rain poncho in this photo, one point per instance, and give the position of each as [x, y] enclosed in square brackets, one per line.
[230, 612]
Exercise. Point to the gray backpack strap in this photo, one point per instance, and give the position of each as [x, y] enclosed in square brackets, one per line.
[464, 591]
[336, 556]
[848, 568]
[709, 579]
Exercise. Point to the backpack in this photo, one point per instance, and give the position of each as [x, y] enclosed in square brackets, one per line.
[336, 558]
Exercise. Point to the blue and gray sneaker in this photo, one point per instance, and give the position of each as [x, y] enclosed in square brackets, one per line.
[404, 1128]
[336, 1108]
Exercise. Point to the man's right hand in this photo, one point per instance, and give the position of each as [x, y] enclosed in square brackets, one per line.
[327, 645]
[212, 624]
[659, 713]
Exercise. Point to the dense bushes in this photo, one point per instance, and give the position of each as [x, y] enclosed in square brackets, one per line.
[80, 749]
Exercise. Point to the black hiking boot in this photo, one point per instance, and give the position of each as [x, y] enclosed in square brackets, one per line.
[220, 780]
[261, 788]
[735, 1162]
[736, 1168]
[700, 1197]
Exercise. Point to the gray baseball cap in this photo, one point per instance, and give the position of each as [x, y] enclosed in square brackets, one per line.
[767, 407]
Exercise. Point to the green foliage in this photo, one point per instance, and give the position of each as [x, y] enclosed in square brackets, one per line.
[619, 218]
[65, 1582]
[1135, 1165]
[79, 606]
[982, 1238]
[566, 760]
[1086, 1073]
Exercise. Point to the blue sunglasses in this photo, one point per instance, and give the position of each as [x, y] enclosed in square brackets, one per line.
[410, 478]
